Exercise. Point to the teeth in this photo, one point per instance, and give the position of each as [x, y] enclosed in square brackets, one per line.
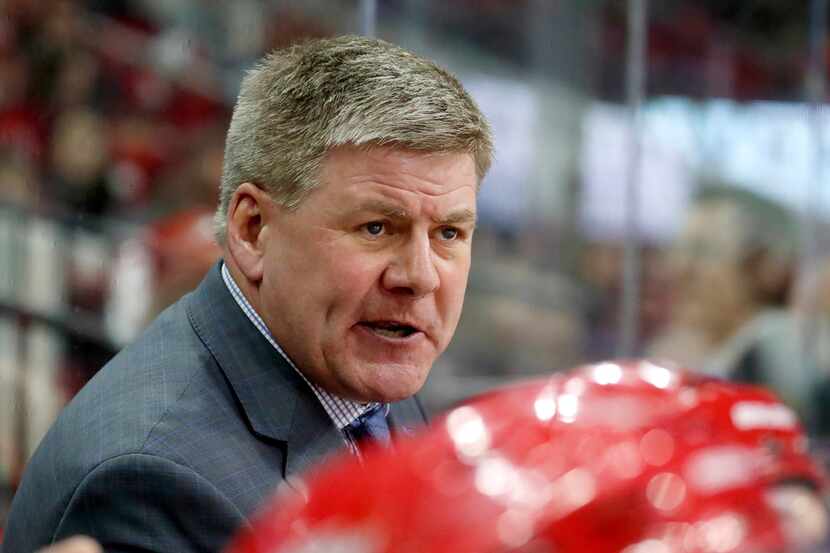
[389, 333]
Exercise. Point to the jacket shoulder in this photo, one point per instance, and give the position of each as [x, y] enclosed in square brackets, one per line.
[113, 415]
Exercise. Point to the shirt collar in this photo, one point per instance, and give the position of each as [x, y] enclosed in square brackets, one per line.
[341, 411]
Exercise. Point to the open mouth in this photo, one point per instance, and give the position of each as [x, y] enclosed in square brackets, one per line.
[390, 329]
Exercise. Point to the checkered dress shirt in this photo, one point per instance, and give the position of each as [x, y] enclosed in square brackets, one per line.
[341, 411]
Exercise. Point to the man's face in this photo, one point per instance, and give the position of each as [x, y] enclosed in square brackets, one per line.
[363, 283]
[712, 287]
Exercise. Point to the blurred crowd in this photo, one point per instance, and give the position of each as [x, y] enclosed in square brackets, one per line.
[89, 126]
[112, 119]
[109, 159]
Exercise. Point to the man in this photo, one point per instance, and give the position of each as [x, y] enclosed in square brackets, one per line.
[348, 203]
[733, 268]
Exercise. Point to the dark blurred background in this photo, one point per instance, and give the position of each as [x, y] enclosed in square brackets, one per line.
[681, 216]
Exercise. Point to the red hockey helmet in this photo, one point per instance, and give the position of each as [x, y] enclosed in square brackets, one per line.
[615, 457]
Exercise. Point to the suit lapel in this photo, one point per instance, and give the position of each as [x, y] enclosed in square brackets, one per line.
[276, 401]
[313, 435]
[406, 417]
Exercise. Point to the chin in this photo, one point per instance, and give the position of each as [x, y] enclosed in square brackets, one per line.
[395, 383]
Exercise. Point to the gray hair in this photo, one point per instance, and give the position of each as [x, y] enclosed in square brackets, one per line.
[301, 101]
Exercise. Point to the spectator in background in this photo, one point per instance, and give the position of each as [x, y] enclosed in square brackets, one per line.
[731, 274]
[77, 82]
[79, 159]
[20, 184]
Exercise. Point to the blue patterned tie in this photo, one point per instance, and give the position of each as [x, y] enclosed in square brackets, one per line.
[371, 427]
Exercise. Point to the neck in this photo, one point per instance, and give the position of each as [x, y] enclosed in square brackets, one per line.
[249, 289]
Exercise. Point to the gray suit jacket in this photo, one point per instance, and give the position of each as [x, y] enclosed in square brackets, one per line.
[179, 438]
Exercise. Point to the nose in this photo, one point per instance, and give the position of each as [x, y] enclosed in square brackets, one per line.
[412, 271]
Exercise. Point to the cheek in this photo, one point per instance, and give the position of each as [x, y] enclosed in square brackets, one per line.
[453, 288]
[351, 277]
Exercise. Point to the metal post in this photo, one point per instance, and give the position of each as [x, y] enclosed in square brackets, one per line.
[368, 17]
[635, 91]
[808, 266]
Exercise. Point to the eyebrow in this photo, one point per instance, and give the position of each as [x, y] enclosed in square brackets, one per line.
[385, 209]
[460, 216]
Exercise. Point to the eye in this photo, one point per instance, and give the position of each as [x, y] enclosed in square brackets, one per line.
[375, 228]
[449, 233]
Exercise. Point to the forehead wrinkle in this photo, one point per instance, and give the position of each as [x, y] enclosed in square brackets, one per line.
[384, 208]
[407, 180]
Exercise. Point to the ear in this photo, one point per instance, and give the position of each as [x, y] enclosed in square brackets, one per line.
[249, 213]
